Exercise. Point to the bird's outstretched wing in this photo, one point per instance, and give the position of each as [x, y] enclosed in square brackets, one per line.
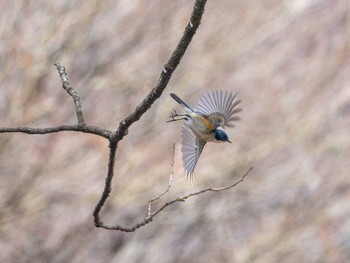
[191, 150]
[220, 106]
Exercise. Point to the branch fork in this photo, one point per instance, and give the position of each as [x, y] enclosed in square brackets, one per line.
[115, 136]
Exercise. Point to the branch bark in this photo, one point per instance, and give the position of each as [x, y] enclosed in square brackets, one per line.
[76, 127]
[76, 98]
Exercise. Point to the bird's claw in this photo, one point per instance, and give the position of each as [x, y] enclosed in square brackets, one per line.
[173, 116]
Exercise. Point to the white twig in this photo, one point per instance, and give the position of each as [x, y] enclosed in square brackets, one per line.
[167, 189]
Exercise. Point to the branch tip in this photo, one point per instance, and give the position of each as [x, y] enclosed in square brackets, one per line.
[69, 89]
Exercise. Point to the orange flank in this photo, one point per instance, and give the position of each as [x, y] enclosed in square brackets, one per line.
[207, 123]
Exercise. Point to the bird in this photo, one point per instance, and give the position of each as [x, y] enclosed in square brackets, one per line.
[214, 109]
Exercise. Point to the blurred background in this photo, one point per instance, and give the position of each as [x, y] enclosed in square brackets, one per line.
[289, 61]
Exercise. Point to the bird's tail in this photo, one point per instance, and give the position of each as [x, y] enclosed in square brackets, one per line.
[180, 101]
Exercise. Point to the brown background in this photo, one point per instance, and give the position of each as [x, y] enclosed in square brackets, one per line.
[289, 61]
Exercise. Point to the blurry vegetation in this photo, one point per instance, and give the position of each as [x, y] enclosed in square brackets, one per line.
[288, 60]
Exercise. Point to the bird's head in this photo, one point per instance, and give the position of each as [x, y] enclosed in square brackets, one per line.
[221, 136]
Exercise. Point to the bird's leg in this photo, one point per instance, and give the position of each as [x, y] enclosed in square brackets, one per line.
[174, 114]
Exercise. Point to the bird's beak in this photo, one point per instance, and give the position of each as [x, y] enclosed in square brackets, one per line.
[229, 141]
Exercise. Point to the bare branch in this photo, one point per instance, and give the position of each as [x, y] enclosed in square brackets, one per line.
[150, 217]
[65, 84]
[168, 70]
[108, 184]
[121, 132]
[80, 127]
[85, 129]
[183, 198]
[145, 105]
[151, 200]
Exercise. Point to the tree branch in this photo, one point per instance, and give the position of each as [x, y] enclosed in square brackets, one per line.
[65, 84]
[151, 200]
[80, 127]
[150, 217]
[168, 70]
[146, 104]
[115, 136]
[77, 128]
[108, 184]
[210, 189]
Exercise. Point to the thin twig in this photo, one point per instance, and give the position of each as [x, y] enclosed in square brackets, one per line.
[151, 200]
[80, 127]
[183, 198]
[149, 218]
[65, 84]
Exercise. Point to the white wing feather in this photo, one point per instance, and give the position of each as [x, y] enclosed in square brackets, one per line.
[191, 150]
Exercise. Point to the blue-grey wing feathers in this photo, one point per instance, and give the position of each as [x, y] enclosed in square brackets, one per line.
[220, 107]
[191, 150]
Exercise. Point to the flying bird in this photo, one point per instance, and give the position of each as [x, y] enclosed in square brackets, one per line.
[216, 108]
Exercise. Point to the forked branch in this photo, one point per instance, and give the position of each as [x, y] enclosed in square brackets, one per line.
[149, 218]
[154, 94]
[115, 136]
